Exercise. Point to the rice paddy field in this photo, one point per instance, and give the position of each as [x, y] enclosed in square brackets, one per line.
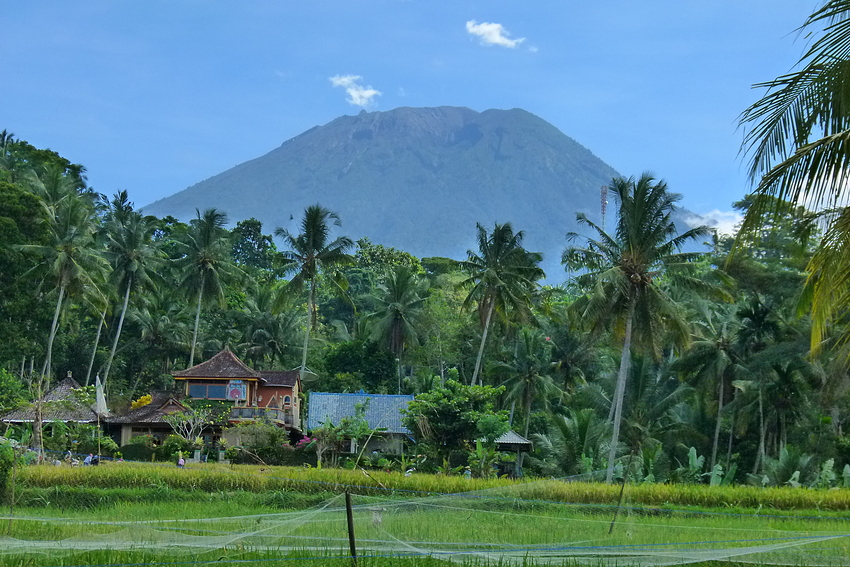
[131, 514]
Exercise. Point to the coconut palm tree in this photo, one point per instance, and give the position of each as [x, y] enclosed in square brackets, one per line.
[530, 373]
[72, 265]
[205, 263]
[502, 276]
[312, 253]
[796, 138]
[621, 272]
[133, 256]
[396, 316]
[266, 334]
[713, 361]
[165, 322]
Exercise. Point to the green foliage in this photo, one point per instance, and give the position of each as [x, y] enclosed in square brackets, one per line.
[264, 443]
[446, 419]
[381, 260]
[173, 447]
[253, 249]
[8, 456]
[359, 364]
[483, 460]
[692, 471]
[13, 393]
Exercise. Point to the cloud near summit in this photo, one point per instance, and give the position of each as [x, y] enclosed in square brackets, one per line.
[492, 34]
[358, 95]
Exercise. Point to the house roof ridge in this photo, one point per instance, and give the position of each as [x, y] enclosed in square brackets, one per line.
[216, 366]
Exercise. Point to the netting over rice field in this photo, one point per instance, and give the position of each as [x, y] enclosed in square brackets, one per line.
[498, 526]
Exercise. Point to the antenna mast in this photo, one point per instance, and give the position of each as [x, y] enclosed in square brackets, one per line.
[604, 195]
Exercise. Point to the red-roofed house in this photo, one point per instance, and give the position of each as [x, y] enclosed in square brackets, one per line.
[255, 394]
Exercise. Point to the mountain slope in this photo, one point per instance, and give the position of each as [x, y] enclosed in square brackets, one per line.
[417, 179]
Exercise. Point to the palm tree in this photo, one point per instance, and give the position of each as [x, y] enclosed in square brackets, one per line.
[796, 137]
[165, 322]
[571, 444]
[267, 335]
[311, 253]
[653, 396]
[396, 316]
[714, 361]
[621, 272]
[133, 257]
[205, 262]
[530, 372]
[72, 264]
[501, 277]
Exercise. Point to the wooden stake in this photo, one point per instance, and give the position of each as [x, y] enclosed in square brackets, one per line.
[350, 517]
[622, 489]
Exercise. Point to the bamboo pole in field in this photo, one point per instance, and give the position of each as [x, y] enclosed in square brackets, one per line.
[622, 489]
[350, 518]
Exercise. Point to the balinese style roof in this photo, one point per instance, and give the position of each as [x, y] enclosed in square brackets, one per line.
[278, 377]
[162, 404]
[60, 404]
[382, 412]
[223, 365]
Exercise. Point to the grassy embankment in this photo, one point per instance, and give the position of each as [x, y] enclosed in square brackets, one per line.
[148, 479]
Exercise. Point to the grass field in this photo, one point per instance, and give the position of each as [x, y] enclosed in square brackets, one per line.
[127, 514]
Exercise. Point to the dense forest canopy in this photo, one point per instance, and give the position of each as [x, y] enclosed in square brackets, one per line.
[648, 352]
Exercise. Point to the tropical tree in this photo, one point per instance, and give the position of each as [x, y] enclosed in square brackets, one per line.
[622, 273]
[205, 262]
[312, 253]
[165, 322]
[796, 137]
[133, 257]
[530, 373]
[396, 316]
[714, 361]
[267, 335]
[71, 264]
[501, 278]
[571, 444]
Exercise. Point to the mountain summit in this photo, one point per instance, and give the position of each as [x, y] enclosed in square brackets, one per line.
[417, 179]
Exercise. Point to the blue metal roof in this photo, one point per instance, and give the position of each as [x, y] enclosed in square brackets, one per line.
[383, 411]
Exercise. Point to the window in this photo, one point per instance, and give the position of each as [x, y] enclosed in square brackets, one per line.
[287, 400]
[208, 391]
[197, 390]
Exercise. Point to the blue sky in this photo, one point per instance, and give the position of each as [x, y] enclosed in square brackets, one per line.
[154, 96]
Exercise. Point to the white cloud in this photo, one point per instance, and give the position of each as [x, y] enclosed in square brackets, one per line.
[726, 222]
[358, 95]
[492, 34]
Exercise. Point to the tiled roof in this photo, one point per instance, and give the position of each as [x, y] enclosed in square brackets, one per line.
[162, 404]
[278, 377]
[383, 412]
[60, 405]
[223, 365]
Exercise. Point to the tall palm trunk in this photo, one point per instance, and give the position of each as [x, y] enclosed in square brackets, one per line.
[619, 393]
[717, 426]
[731, 432]
[310, 316]
[118, 333]
[400, 368]
[96, 343]
[527, 408]
[760, 456]
[37, 440]
[490, 308]
[197, 321]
